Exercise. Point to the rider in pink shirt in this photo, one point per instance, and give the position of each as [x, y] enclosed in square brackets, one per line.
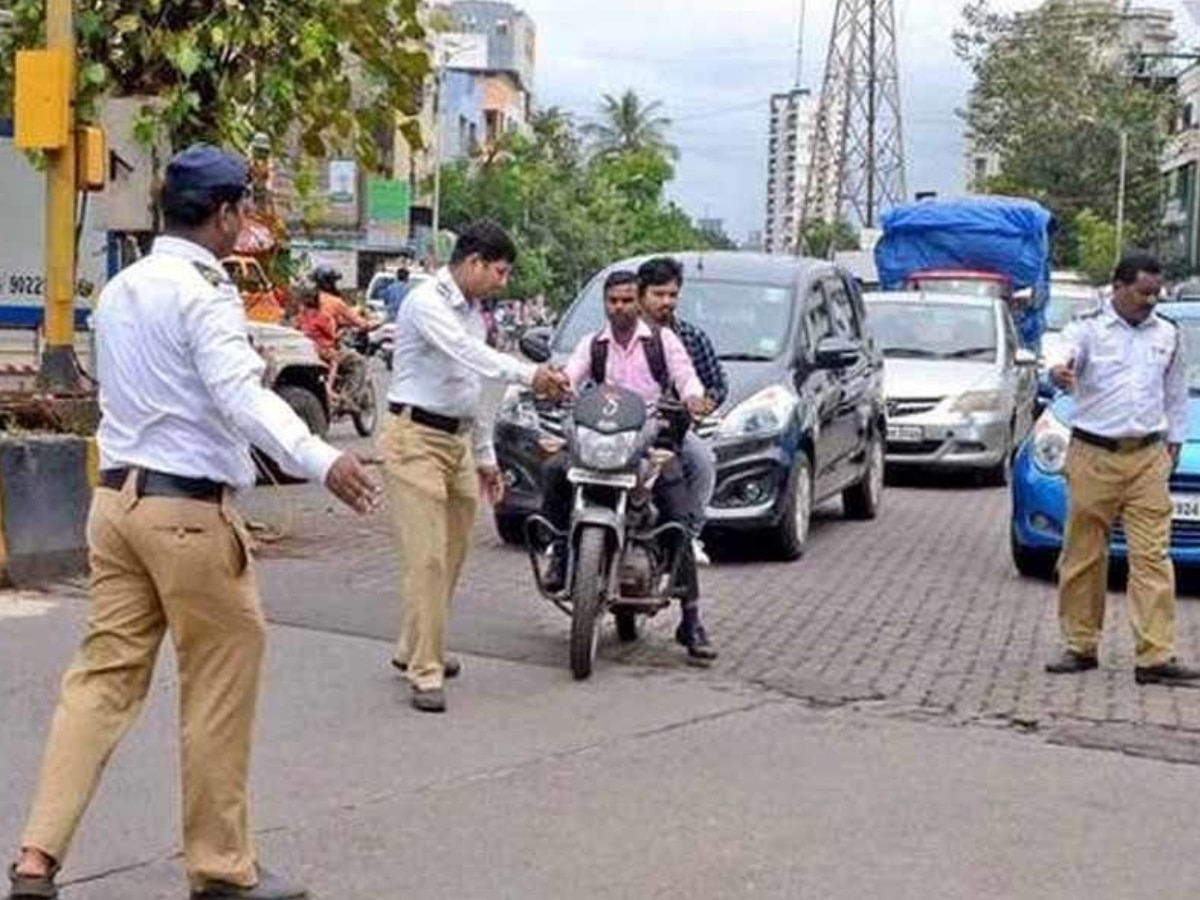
[628, 366]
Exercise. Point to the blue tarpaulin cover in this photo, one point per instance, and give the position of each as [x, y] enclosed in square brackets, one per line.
[995, 234]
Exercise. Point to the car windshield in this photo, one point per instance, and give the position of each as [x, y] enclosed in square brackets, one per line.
[744, 321]
[968, 287]
[934, 330]
[1062, 308]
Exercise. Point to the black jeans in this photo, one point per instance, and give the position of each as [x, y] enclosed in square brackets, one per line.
[671, 497]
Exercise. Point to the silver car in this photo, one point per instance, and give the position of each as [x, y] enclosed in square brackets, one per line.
[960, 392]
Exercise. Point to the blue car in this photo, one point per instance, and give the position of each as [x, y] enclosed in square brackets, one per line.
[1039, 490]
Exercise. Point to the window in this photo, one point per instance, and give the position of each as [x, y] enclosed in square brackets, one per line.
[980, 168]
[816, 317]
[841, 308]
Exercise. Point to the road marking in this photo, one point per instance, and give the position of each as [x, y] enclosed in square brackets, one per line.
[20, 605]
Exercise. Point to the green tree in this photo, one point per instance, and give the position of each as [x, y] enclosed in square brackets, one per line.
[822, 239]
[1054, 89]
[326, 72]
[570, 216]
[1096, 240]
[626, 124]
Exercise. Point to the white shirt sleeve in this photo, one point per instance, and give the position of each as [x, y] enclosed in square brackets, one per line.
[436, 322]
[215, 331]
[1176, 391]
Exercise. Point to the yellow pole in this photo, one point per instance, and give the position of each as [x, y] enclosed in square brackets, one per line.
[58, 369]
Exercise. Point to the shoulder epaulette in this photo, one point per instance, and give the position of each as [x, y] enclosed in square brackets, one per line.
[215, 277]
[445, 290]
[1092, 314]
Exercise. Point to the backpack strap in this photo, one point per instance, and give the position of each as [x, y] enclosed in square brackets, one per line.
[656, 358]
[599, 360]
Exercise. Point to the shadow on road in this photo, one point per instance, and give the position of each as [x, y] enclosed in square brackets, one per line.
[934, 479]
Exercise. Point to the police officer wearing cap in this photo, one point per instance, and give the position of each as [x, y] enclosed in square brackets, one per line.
[1127, 367]
[182, 401]
[437, 444]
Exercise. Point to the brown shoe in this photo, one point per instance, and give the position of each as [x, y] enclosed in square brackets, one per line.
[450, 668]
[1071, 663]
[1172, 672]
[32, 887]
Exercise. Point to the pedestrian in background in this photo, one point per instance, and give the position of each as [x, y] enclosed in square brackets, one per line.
[182, 400]
[437, 444]
[1127, 368]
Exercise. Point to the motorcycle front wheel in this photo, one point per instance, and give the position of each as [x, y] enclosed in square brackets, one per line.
[367, 416]
[587, 600]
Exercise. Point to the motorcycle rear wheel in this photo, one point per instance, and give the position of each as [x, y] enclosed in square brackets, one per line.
[367, 416]
[587, 601]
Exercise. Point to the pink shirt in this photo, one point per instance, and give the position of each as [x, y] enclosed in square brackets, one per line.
[628, 367]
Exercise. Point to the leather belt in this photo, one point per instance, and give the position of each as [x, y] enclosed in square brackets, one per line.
[437, 421]
[1119, 445]
[163, 484]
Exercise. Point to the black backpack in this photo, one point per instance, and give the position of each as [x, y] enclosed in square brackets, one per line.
[656, 357]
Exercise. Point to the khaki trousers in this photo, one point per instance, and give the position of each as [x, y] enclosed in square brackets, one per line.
[160, 564]
[433, 489]
[1134, 487]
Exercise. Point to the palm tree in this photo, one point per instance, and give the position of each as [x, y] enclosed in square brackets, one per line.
[627, 124]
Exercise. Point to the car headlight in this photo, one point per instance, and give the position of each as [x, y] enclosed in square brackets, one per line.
[763, 415]
[1050, 441]
[517, 408]
[605, 452]
[978, 402]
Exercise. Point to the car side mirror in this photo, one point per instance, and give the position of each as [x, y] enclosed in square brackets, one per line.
[1024, 357]
[837, 353]
[535, 343]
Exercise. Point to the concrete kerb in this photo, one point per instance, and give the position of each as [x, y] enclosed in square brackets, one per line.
[46, 484]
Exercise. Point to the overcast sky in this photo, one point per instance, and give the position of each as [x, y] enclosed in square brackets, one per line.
[714, 64]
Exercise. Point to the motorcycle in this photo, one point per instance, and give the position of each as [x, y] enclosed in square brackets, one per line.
[353, 392]
[619, 558]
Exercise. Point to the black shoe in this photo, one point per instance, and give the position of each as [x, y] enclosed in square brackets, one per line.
[269, 887]
[430, 700]
[32, 887]
[695, 639]
[1172, 672]
[1070, 663]
[451, 667]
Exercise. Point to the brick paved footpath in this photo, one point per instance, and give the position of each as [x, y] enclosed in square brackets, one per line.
[918, 613]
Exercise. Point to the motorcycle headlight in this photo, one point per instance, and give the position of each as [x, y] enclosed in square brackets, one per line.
[605, 452]
[517, 408]
[1050, 441]
[978, 402]
[763, 415]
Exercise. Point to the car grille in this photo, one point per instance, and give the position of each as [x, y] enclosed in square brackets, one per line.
[911, 407]
[1185, 483]
[1183, 534]
[924, 448]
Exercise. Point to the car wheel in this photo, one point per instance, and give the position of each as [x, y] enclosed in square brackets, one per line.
[1032, 562]
[791, 535]
[1000, 475]
[861, 501]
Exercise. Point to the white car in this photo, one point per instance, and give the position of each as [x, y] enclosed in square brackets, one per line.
[960, 391]
[381, 281]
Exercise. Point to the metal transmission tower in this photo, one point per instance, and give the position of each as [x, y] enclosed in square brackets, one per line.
[858, 149]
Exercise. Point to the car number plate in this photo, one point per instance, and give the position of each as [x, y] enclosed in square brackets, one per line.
[1186, 507]
[905, 434]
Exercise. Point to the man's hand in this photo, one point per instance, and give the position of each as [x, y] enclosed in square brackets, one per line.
[491, 484]
[697, 406]
[708, 406]
[1064, 376]
[551, 383]
[349, 481]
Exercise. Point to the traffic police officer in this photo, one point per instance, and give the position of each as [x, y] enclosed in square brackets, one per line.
[182, 400]
[1127, 366]
[437, 448]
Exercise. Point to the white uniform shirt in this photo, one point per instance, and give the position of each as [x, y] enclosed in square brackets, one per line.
[441, 356]
[181, 389]
[1132, 379]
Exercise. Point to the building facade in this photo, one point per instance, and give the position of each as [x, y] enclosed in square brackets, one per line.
[1179, 167]
[789, 156]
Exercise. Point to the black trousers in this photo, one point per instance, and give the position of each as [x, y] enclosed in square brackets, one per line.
[671, 497]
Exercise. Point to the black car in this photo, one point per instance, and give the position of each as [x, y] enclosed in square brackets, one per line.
[805, 416]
